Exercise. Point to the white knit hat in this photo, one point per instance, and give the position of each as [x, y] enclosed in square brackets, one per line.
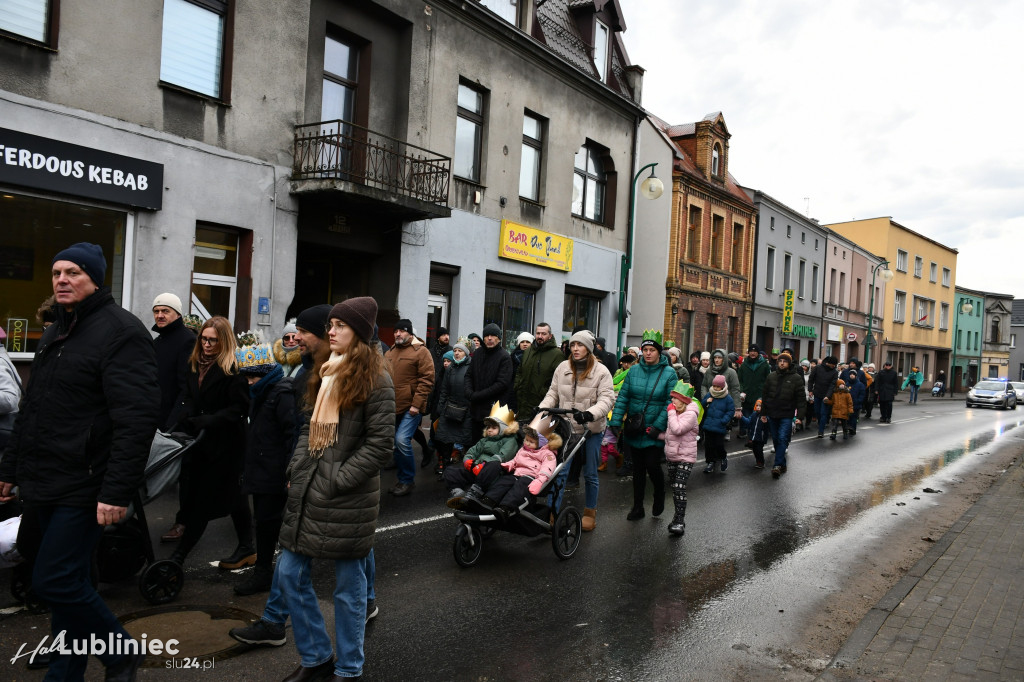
[525, 336]
[169, 300]
[705, 355]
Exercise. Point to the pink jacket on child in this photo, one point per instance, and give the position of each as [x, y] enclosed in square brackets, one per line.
[537, 463]
[681, 436]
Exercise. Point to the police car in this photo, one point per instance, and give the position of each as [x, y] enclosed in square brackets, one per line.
[993, 393]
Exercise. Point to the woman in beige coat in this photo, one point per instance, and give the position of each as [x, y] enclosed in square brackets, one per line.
[584, 383]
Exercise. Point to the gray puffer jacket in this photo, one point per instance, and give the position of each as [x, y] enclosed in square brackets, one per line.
[333, 500]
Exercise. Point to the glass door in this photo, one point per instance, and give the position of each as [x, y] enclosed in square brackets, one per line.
[437, 316]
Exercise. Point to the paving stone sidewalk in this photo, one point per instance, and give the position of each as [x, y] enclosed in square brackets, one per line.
[957, 614]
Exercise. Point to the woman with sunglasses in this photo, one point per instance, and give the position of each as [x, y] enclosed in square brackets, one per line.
[216, 402]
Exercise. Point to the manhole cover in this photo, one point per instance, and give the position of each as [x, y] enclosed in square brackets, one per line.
[201, 631]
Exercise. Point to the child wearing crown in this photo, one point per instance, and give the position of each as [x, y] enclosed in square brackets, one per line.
[498, 444]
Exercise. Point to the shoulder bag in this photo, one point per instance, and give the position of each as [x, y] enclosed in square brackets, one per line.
[635, 423]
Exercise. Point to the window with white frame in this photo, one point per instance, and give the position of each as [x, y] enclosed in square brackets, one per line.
[601, 43]
[944, 316]
[506, 9]
[923, 312]
[901, 260]
[933, 273]
[918, 266]
[588, 184]
[530, 164]
[192, 48]
[769, 269]
[1013, 340]
[801, 277]
[787, 268]
[899, 306]
[945, 277]
[716, 159]
[28, 19]
[469, 132]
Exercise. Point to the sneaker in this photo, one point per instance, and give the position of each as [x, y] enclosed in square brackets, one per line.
[475, 494]
[455, 498]
[832, 437]
[821, 435]
[402, 489]
[725, 463]
[709, 468]
[371, 610]
[677, 527]
[759, 465]
[728, 436]
[261, 633]
[242, 556]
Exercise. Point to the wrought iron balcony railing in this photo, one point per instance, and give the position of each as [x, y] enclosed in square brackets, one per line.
[344, 151]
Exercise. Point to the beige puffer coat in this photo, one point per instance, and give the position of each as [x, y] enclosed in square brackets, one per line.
[594, 394]
[332, 506]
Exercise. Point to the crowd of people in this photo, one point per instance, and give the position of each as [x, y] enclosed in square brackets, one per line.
[292, 435]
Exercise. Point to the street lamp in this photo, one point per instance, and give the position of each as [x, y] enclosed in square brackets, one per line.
[650, 188]
[963, 306]
[886, 276]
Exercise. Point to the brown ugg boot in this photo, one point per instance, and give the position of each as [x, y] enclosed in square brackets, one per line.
[589, 519]
[604, 466]
[618, 461]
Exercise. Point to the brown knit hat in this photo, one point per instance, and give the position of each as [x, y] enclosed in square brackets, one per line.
[359, 313]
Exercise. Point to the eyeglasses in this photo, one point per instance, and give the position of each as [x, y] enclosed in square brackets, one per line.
[207, 341]
[335, 325]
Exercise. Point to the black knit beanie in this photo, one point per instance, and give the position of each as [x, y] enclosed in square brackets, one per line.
[315, 319]
[87, 256]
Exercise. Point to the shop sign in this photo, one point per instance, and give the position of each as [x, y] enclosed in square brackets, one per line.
[787, 311]
[41, 163]
[17, 329]
[835, 332]
[526, 244]
[805, 331]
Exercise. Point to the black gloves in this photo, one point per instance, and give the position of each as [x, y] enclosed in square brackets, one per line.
[582, 417]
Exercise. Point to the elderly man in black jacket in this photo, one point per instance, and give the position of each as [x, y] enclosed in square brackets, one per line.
[79, 449]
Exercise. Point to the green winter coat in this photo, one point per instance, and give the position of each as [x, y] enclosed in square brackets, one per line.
[534, 376]
[640, 381]
[495, 448]
[752, 375]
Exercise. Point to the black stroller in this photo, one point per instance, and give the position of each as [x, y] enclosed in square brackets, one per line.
[479, 523]
[125, 548]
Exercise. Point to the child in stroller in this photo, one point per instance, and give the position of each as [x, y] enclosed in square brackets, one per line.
[505, 486]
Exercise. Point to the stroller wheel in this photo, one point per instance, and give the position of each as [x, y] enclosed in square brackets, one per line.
[565, 534]
[162, 581]
[468, 545]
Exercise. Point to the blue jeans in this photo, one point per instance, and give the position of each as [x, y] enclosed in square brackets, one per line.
[913, 392]
[404, 460]
[781, 430]
[292, 576]
[591, 452]
[276, 611]
[61, 579]
[823, 413]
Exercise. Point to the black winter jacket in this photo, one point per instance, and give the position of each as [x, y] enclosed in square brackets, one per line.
[90, 409]
[490, 375]
[270, 440]
[173, 344]
[455, 391]
[783, 393]
[822, 380]
[886, 385]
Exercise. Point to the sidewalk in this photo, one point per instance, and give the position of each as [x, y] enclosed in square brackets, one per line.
[954, 616]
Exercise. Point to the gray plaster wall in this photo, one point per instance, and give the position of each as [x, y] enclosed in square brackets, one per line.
[201, 183]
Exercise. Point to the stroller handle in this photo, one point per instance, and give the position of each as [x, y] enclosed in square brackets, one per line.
[559, 410]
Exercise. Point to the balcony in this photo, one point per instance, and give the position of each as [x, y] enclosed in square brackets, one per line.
[370, 171]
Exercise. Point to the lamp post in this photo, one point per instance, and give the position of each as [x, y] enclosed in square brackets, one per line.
[963, 306]
[650, 188]
[886, 276]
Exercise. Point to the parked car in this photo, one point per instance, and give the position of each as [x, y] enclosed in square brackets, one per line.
[1018, 387]
[993, 393]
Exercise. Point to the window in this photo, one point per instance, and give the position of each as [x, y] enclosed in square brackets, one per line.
[511, 307]
[338, 104]
[589, 184]
[1013, 340]
[717, 225]
[601, 50]
[857, 302]
[772, 222]
[959, 338]
[945, 277]
[732, 334]
[693, 237]
[506, 9]
[814, 284]
[30, 19]
[737, 248]
[994, 335]
[924, 312]
[214, 273]
[581, 311]
[918, 266]
[195, 35]
[815, 244]
[933, 273]
[716, 161]
[901, 260]
[769, 270]
[944, 316]
[801, 277]
[787, 275]
[832, 286]
[469, 133]
[842, 289]
[899, 307]
[977, 336]
[29, 239]
[709, 334]
[803, 237]
[789, 231]
[529, 168]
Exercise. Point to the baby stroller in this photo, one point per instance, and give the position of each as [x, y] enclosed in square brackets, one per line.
[938, 389]
[479, 522]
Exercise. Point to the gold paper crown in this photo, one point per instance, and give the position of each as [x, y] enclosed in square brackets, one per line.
[248, 357]
[543, 424]
[501, 413]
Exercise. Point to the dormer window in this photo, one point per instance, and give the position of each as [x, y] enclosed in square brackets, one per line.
[716, 156]
[601, 43]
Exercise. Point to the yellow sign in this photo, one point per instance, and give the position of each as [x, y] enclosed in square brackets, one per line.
[17, 334]
[528, 245]
[787, 312]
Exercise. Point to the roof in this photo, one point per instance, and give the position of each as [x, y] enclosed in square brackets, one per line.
[686, 165]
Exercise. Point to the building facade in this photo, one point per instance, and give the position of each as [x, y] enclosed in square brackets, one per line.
[995, 347]
[968, 327]
[708, 288]
[1017, 340]
[849, 302]
[918, 300]
[789, 264]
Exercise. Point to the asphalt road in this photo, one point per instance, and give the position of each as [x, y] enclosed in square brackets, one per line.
[633, 603]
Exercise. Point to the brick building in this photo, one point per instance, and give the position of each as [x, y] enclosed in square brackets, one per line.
[708, 288]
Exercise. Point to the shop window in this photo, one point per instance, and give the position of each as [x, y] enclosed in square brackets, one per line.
[469, 134]
[34, 230]
[216, 274]
[581, 311]
[510, 307]
[196, 38]
[31, 19]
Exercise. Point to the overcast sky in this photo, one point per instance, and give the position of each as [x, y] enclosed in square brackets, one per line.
[909, 109]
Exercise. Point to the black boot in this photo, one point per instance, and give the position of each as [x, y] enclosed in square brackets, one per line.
[257, 581]
[244, 555]
[678, 525]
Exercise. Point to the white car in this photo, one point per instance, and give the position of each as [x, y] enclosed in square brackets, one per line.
[1018, 388]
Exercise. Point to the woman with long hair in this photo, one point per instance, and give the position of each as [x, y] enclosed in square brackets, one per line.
[584, 383]
[216, 402]
[333, 500]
